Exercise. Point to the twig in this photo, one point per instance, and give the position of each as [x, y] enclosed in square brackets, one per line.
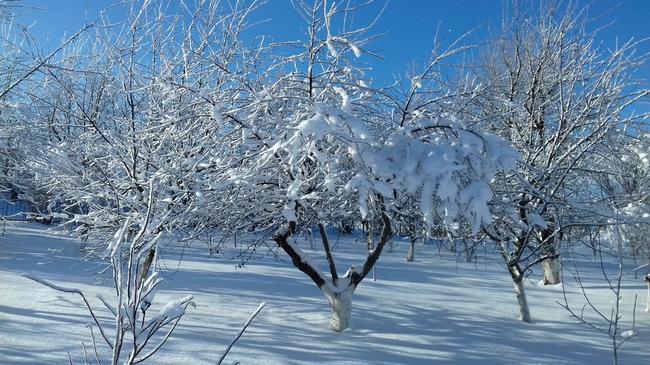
[43, 62]
[241, 332]
[73, 291]
[92, 336]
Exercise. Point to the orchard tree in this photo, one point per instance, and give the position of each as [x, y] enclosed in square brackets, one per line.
[133, 121]
[325, 147]
[429, 93]
[130, 126]
[559, 98]
[172, 123]
[22, 60]
[627, 191]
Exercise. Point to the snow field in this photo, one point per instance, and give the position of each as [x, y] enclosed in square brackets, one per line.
[437, 309]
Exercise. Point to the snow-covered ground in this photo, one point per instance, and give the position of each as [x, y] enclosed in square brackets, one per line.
[436, 310]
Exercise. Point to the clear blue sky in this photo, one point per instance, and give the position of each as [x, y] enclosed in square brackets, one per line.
[409, 24]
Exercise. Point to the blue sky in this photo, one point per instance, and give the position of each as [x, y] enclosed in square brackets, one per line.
[409, 25]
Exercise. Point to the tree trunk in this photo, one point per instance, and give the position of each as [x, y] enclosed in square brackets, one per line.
[647, 305]
[470, 254]
[518, 282]
[410, 256]
[522, 301]
[341, 306]
[338, 291]
[551, 271]
[551, 265]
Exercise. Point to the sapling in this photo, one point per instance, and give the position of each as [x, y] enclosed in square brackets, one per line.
[134, 338]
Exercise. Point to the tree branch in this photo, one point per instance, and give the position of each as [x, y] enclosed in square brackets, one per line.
[328, 253]
[299, 259]
[373, 255]
[73, 291]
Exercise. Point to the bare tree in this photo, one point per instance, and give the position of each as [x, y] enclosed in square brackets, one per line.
[559, 98]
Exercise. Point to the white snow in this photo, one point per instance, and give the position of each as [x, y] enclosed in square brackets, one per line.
[174, 308]
[435, 310]
[215, 113]
[356, 50]
[628, 333]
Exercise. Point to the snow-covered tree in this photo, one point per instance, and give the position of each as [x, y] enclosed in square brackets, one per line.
[170, 123]
[627, 189]
[317, 145]
[559, 98]
[22, 60]
[137, 330]
[9, 126]
[427, 93]
[131, 125]
[636, 234]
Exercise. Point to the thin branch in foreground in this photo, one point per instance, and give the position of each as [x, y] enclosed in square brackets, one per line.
[73, 291]
[241, 332]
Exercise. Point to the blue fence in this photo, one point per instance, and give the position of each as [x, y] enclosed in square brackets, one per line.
[14, 209]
